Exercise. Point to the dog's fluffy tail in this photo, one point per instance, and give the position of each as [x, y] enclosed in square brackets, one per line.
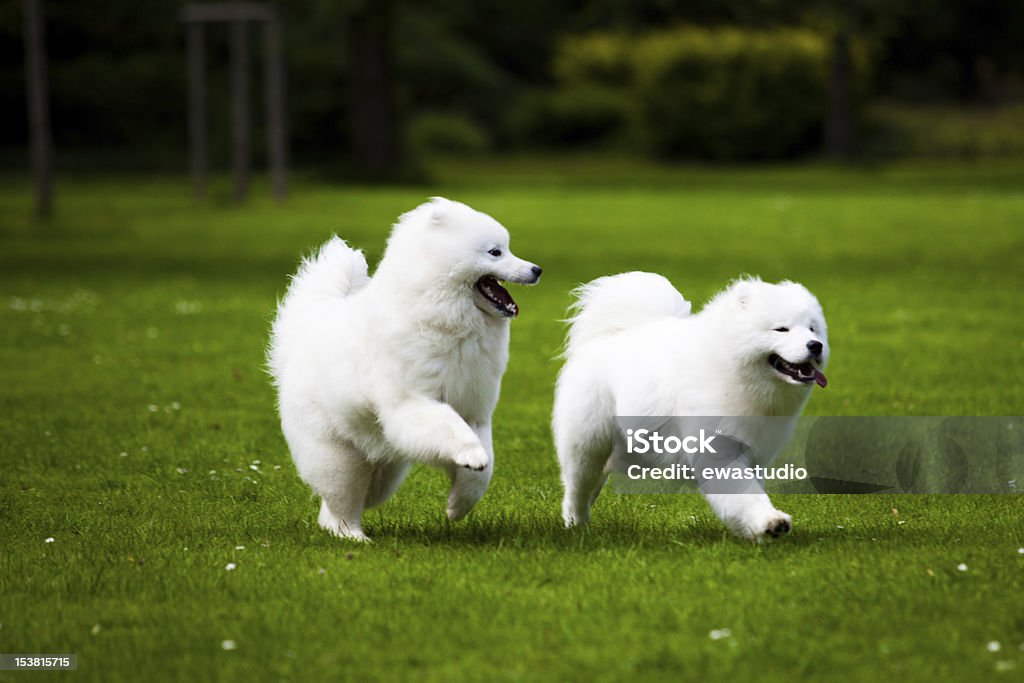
[612, 304]
[335, 270]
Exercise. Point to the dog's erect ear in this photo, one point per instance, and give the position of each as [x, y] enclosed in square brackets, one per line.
[439, 210]
[743, 292]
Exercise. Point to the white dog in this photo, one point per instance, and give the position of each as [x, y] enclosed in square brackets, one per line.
[374, 374]
[634, 349]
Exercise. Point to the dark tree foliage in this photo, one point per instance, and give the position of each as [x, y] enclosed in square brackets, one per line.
[117, 69]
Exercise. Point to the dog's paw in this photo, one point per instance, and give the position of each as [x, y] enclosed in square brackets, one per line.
[343, 532]
[475, 459]
[338, 527]
[773, 525]
[779, 526]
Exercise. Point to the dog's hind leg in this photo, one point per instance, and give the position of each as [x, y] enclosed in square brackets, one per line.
[469, 486]
[583, 476]
[339, 473]
[387, 477]
[582, 426]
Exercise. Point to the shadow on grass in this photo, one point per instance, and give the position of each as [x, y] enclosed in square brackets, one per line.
[543, 534]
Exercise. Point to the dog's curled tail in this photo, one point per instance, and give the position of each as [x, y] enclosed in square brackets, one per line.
[612, 304]
[334, 270]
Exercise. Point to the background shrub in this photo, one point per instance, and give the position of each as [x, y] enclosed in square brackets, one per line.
[730, 94]
[722, 94]
[582, 115]
[433, 133]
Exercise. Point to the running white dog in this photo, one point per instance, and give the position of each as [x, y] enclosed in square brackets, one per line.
[634, 349]
[374, 374]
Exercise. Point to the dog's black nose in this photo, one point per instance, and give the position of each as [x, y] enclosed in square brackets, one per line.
[536, 271]
[814, 347]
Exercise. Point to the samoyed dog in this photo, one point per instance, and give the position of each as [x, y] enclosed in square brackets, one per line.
[634, 349]
[374, 374]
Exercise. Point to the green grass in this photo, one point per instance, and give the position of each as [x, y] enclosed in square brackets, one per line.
[133, 405]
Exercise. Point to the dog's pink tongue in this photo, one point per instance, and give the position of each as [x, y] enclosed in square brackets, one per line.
[820, 378]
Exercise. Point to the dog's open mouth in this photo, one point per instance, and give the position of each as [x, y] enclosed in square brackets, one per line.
[497, 296]
[801, 372]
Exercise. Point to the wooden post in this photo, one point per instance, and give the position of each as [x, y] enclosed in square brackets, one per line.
[38, 102]
[839, 126]
[277, 150]
[195, 45]
[240, 107]
[238, 15]
[374, 128]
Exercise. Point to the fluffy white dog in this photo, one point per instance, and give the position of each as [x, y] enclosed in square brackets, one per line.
[374, 374]
[634, 349]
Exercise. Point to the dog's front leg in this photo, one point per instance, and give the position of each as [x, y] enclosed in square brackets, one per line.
[469, 486]
[750, 515]
[432, 432]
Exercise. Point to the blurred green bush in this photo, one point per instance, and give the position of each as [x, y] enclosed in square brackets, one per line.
[579, 115]
[441, 133]
[901, 130]
[724, 93]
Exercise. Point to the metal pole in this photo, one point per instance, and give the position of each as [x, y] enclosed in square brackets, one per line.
[195, 46]
[277, 150]
[240, 107]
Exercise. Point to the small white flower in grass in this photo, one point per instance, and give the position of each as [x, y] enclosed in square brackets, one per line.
[962, 567]
[840, 526]
[239, 547]
[994, 646]
[124, 454]
[1020, 551]
[228, 645]
[230, 566]
[254, 468]
[175, 405]
[153, 408]
[49, 540]
[96, 628]
[321, 571]
[719, 633]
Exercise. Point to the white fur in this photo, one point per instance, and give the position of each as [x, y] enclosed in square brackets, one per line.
[633, 349]
[374, 374]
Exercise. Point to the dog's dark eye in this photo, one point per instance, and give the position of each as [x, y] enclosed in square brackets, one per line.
[495, 252]
[782, 329]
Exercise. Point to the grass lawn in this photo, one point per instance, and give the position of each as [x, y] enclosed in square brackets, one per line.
[139, 433]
